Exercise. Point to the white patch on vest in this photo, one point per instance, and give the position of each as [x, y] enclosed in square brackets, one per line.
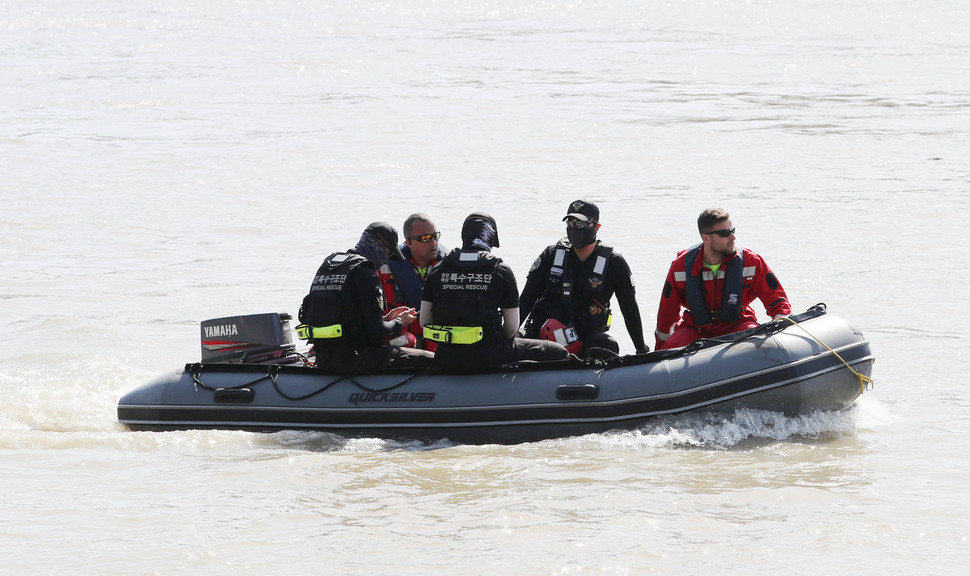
[680, 276]
[600, 265]
[339, 257]
[560, 337]
[560, 257]
[468, 256]
[748, 271]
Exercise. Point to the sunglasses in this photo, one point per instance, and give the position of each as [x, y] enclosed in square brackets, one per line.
[577, 223]
[425, 238]
[722, 233]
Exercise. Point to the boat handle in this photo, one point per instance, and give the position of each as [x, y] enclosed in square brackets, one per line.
[233, 395]
[577, 392]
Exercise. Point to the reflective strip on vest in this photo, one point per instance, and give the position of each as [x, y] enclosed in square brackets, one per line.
[559, 258]
[600, 265]
[748, 272]
[454, 334]
[305, 331]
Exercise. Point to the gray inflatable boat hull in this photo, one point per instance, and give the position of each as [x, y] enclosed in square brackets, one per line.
[786, 367]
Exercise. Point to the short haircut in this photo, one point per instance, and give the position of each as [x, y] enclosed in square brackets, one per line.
[710, 217]
[409, 223]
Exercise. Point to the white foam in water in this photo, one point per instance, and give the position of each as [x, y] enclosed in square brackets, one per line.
[742, 427]
[722, 431]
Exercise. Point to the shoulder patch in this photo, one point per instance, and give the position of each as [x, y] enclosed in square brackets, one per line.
[772, 281]
[535, 265]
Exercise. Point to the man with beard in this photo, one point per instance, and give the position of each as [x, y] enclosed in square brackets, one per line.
[569, 287]
[343, 314]
[470, 306]
[714, 284]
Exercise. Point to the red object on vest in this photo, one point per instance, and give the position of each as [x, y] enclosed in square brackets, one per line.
[556, 331]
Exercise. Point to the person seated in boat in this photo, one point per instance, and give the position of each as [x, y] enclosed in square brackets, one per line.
[569, 287]
[714, 284]
[343, 314]
[470, 306]
[403, 281]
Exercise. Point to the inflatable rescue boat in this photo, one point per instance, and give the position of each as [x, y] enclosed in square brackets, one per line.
[251, 377]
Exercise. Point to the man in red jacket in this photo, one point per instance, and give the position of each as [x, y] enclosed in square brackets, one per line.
[714, 284]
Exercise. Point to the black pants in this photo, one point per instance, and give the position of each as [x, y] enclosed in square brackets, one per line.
[601, 340]
[483, 356]
[349, 361]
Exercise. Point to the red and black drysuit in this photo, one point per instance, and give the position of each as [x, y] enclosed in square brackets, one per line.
[715, 306]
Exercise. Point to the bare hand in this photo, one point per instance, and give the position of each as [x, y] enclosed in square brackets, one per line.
[403, 313]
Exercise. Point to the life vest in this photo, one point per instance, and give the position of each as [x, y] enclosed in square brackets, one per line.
[555, 331]
[466, 304]
[401, 280]
[574, 294]
[330, 315]
[731, 302]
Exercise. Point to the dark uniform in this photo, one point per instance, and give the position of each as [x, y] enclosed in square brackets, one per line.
[578, 294]
[468, 291]
[346, 293]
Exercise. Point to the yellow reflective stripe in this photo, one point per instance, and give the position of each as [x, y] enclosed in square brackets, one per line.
[305, 332]
[454, 334]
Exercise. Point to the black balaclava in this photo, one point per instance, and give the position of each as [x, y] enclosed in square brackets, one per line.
[479, 232]
[371, 246]
[580, 237]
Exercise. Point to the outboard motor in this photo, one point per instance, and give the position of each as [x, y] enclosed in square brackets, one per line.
[251, 339]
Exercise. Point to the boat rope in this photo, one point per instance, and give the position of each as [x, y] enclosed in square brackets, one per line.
[272, 373]
[307, 361]
[865, 382]
[195, 370]
[389, 388]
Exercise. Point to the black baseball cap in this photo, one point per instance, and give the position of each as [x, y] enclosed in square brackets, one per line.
[388, 234]
[583, 210]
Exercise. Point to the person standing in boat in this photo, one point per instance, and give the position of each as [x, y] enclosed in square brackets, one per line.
[470, 306]
[714, 284]
[403, 281]
[569, 287]
[343, 314]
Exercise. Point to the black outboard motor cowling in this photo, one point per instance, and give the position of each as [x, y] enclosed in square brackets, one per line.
[253, 338]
